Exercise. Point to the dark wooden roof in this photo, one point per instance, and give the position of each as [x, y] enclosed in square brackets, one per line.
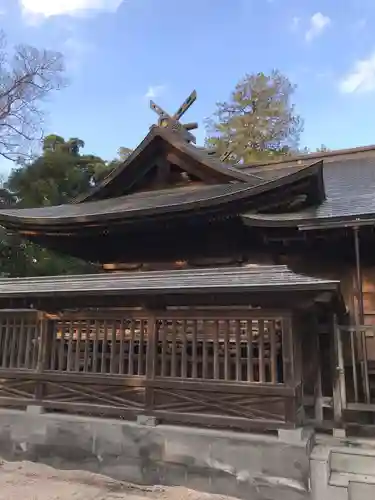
[219, 280]
[223, 199]
[350, 195]
[161, 141]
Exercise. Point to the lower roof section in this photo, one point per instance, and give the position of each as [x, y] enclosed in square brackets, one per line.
[350, 187]
[255, 278]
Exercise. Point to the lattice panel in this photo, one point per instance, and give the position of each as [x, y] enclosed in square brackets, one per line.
[250, 407]
[15, 388]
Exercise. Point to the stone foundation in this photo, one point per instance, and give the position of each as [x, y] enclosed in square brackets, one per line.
[248, 466]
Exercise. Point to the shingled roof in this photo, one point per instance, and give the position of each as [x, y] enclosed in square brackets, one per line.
[220, 198]
[349, 180]
[244, 279]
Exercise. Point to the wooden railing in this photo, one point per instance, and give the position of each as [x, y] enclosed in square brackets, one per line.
[208, 367]
[355, 356]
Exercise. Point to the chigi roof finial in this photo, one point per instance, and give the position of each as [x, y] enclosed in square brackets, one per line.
[173, 122]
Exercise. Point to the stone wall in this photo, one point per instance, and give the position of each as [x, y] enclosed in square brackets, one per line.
[248, 466]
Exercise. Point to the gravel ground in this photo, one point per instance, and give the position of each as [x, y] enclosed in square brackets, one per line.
[31, 481]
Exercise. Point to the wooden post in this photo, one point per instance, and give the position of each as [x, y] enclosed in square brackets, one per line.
[335, 364]
[288, 352]
[152, 339]
[359, 294]
[318, 392]
[46, 332]
[292, 405]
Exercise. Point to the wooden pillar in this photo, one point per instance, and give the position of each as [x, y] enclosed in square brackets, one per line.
[360, 319]
[152, 339]
[338, 374]
[291, 379]
[46, 331]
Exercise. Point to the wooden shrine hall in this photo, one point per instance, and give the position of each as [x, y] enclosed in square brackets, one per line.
[228, 296]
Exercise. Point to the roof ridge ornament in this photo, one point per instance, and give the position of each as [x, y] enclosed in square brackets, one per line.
[173, 122]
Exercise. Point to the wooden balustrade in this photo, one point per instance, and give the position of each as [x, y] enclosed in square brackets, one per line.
[207, 367]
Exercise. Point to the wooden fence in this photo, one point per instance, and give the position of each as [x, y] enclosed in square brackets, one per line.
[225, 368]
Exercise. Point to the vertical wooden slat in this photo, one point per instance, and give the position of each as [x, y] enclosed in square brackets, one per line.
[35, 344]
[103, 367]
[69, 362]
[273, 351]
[121, 353]
[216, 351]
[174, 349]
[4, 363]
[195, 349]
[238, 349]
[226, 350]
[96, 348]
[141, 370]
[288, 358]
[28, 346]
[164, 347]
[2, 337]
[131, 348]
[21, 343]
[62, 365]
[262, 377]
[52, 364]
[42, 341]
[78, 347]
[113, 346]
[87, 345]
[13, 346]
[184, 370]
[152, 340]
[250, 368]
[204, 348]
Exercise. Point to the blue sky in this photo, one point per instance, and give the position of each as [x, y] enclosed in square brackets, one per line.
[121, 52]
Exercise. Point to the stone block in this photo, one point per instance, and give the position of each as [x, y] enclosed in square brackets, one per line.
[146, 420]
[109, 439]
[35, 410]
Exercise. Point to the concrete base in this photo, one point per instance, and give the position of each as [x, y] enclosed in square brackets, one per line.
[247, 466]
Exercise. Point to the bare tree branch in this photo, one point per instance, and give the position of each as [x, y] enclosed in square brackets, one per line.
[27, 77]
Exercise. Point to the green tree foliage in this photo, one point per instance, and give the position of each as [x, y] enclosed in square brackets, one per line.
[258, 122]
[122, 155]
[322, 149]
[57, 176]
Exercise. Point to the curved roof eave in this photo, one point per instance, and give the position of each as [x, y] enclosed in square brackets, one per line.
[299, 221]
[143, 205]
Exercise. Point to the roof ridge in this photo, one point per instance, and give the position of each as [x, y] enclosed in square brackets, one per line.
[308, 156]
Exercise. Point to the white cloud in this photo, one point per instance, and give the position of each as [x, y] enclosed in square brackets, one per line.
[361, 78]
[48, 8]
[154, 91]
[318, 23]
